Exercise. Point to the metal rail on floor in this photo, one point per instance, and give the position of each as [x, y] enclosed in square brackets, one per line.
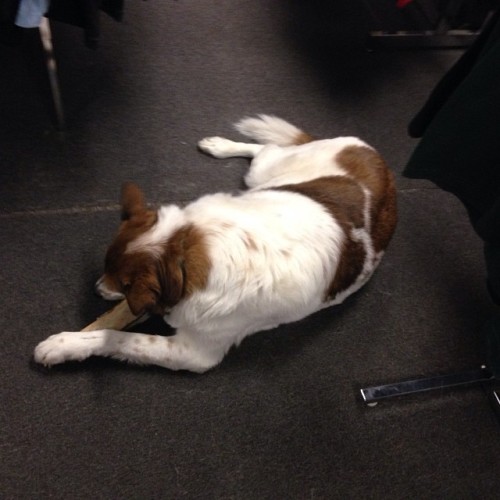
[372, 395]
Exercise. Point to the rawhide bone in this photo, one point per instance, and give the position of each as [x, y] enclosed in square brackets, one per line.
[118, 318]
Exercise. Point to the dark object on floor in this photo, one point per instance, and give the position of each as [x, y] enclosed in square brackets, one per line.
[460, 152]
[372, 395]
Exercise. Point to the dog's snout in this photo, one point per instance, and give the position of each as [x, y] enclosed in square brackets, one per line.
[97, 286]
[102, 289]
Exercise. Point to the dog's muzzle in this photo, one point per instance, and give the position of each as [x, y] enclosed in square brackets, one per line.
[101, 289]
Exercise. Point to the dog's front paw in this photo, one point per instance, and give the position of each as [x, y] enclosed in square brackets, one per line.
[216, 146]
[65, 346]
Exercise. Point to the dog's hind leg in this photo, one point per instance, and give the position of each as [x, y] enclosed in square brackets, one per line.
[225, 148]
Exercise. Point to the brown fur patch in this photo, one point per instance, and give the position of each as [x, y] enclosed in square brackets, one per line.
[349, 267]
[118, 266]
[344, 199]
[132, 200]
[303, 138]
[151, 283]
[367, 166]
[341, 196]
[186, 249]
[137, 278]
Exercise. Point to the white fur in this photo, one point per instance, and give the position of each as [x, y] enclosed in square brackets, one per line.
[266, 129]
[273, 256]
[170, 218]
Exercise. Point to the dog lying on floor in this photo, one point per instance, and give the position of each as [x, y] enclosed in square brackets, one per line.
[310, 231]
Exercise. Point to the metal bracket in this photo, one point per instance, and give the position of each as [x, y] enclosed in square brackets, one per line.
[372, 395]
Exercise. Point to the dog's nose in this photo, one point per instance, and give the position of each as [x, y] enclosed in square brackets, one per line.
[97, 286]
[103, 291]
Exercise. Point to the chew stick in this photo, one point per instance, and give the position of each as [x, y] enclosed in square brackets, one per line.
[118, 318]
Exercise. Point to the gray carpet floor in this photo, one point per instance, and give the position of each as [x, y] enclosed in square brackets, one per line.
[281, 417]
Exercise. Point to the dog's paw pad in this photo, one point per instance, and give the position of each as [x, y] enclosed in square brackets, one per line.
[215, 146]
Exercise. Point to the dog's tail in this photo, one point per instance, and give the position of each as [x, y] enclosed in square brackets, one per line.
[267, 129]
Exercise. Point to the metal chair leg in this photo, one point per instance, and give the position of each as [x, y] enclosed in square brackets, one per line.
[46, 37]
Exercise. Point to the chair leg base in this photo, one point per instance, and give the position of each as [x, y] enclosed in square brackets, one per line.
[372, 395]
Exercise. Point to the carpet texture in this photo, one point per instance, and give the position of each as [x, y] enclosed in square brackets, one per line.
[281, 417]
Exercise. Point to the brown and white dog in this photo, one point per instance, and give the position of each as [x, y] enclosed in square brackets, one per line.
[309, 231]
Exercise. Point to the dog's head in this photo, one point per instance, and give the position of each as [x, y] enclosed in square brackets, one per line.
[155, 260]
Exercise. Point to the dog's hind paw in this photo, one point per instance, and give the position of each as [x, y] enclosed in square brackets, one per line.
[217, 147]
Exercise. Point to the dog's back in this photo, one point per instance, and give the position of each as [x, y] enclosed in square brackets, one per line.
[322, 213]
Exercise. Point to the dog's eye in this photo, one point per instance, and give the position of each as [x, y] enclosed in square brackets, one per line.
[125, 286]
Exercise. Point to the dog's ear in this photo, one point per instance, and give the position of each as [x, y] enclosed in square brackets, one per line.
[144, 294]
[160, 286]
[172, 281]
[132, 201]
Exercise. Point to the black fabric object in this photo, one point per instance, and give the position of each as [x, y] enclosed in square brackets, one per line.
[8, 10]
[9, 32]
[82, 13]
[460, 146]
[86, 15]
